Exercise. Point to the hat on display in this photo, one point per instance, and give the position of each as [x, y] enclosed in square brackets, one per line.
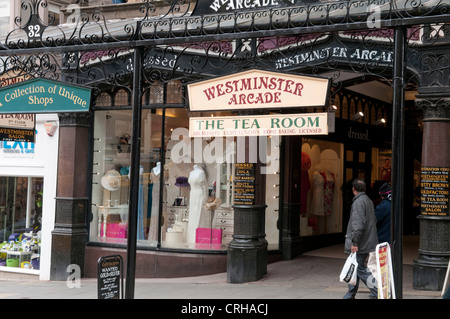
[385, 189]
[213, 202]
[111, 180]
[181, 181]
[124, 170]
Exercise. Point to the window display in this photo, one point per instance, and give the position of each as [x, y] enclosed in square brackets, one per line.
[20, 220]
[185, 198]
[321, 198]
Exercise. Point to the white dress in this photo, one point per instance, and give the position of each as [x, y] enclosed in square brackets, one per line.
[197, 199]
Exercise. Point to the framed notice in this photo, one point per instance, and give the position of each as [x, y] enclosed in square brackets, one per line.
[244, 184]
[434, 191]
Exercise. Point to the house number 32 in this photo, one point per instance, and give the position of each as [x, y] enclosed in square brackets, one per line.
[34, 31]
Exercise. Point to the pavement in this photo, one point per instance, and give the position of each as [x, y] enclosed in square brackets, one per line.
[313, 275]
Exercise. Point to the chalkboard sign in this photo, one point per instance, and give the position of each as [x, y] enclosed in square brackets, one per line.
[434, 191]
[110, 277]
[244, 184]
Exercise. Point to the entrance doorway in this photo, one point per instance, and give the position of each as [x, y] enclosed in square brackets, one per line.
[357, 164]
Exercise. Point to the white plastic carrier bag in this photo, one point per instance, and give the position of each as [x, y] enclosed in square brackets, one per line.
[348, 273]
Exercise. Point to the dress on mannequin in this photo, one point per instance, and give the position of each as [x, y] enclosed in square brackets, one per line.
[317, 205]
[305, 184]
[154, 220]
[328, 192]
[197, 198]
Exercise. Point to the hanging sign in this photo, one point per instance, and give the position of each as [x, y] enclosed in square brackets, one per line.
[434, 191]
[257, 89]
[44, 96]
[259, 125]
[18, 121]
[17, 127]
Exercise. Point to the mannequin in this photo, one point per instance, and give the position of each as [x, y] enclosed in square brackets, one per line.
[328, 192]
[305, 184]
[154, 219]
[197, 198]
[317, 205]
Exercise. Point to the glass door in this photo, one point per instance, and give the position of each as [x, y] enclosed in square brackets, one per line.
[357, 164]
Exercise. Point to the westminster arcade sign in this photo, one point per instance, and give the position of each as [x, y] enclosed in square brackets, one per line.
[257, 89]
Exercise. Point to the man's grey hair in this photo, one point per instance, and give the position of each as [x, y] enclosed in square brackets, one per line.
[359, 185]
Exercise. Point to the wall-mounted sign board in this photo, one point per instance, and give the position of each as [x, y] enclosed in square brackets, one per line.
[44, 96]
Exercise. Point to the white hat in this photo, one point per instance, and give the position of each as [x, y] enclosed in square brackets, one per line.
[111, 180]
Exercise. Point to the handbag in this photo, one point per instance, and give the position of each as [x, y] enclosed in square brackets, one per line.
[348, 273]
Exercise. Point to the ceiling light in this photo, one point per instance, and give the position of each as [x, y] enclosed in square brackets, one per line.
[357, 116]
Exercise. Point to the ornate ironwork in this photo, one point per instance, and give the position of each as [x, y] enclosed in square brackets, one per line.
[180, 47]
[176, 24]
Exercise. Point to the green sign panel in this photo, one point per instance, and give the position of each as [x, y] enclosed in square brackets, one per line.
[44, 96]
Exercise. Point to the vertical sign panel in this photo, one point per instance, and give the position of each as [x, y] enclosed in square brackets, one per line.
[434, 191]
[244, 184]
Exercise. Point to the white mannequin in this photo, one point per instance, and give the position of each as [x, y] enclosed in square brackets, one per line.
[197, 198]
[154, 219]
[157, 169]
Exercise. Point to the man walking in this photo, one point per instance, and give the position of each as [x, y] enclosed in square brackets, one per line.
[361, 237]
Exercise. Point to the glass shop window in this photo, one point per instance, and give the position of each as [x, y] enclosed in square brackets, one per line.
[198, 187]
[20, 221]
[111, 169]
[321, 182]
[185, 198]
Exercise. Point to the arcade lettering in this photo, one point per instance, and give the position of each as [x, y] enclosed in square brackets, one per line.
[231, 5]
[356, 54]
[256, 89]
[235, 87]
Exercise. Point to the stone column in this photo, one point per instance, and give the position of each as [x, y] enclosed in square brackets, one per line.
[430, 267]
[69, 236]
[247, 251]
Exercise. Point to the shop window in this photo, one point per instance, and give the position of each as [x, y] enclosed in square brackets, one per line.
[156, 93]
[321, 184]
[111, 166]
[373, 114]
[122, 98]
[344, 108]
[20, 221]
[104, 99]
[366, 111]
[174, 93]
[185, 198]
[199, 190]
